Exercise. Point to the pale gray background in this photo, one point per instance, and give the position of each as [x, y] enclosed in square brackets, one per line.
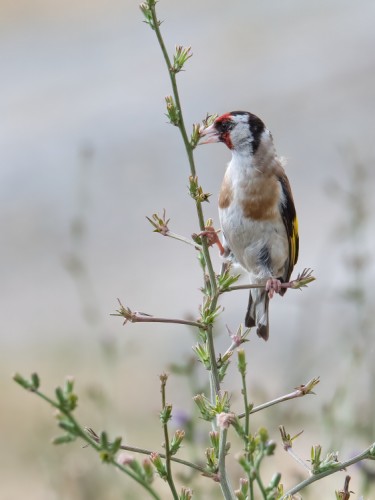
[89, 76]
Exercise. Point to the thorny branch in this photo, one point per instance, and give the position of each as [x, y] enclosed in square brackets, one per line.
[140, 317]
[300, 391]
[203, 470]
[367, 454]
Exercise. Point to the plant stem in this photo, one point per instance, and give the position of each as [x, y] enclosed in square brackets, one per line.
[214, 378]
[251, 487]
[79, 432]
[214, 373]
[298, 393]
[226, 487]
[261, 486]
[258, 478]
[203, 470]
[137, 317]
[82, 434]
[246, 404]
[298, 459]
[366, 454]
[188, 148]
[178, 237]
[144, 484]
[172, 487]
[247, 430]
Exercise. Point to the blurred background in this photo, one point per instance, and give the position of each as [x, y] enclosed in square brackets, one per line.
[86, 154]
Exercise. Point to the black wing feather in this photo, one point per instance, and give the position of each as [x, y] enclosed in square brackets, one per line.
[289, 216]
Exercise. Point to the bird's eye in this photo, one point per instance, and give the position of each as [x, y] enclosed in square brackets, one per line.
[225, 126]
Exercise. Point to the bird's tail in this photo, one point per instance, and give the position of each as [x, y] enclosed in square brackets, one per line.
[257, 312]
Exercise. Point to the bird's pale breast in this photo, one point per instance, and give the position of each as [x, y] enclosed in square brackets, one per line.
[250, 217]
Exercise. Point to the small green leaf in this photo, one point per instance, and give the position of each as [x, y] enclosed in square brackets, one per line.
[19, 379]
[67, 425]
[35, 381]
[67, 438]
[103, 440]
[60, 396]
[116, 445]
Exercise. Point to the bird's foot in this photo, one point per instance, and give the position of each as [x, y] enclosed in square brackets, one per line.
[273, 286]
[212, 238]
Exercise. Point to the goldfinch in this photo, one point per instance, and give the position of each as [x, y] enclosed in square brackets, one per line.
[256, 209]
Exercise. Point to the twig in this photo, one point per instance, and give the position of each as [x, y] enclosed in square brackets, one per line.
[369, 454]
[160, 223]
[249, 456]
[165, 415]
[79, 432]
[302, 280]
[258, 478]
[300, 391]
[138, 317]
[143, 451]
[184, 240]
[226, 488]
[298, 459]
[214, 373]
[182, 128]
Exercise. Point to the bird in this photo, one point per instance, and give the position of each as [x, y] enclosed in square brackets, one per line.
[256, 210]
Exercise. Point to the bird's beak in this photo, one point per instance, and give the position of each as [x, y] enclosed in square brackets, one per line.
[208, 135]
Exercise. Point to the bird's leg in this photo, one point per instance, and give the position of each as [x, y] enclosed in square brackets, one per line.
[212, 238]
[273, 285]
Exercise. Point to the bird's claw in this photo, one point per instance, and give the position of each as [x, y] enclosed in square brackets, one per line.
[273, 286]
[212, 238]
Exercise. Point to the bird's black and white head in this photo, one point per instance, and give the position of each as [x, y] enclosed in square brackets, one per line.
[241, 131]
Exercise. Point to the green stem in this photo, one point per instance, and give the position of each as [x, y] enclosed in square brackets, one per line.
[166, 443]
[246, 404]
[298, 459]
[82, 434]
[251, 487]
[138, 480]
[261, 486]
[247, 430]
[79, 432]
[225, 485]
[214, 373]
[178, 237]
[298, 393]
[203, 470]
[258, 478]
[367, 454]
[188, 148]
[136, 317]
[214, 378]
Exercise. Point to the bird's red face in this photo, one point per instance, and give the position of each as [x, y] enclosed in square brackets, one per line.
[239, 130]
[219, 131]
